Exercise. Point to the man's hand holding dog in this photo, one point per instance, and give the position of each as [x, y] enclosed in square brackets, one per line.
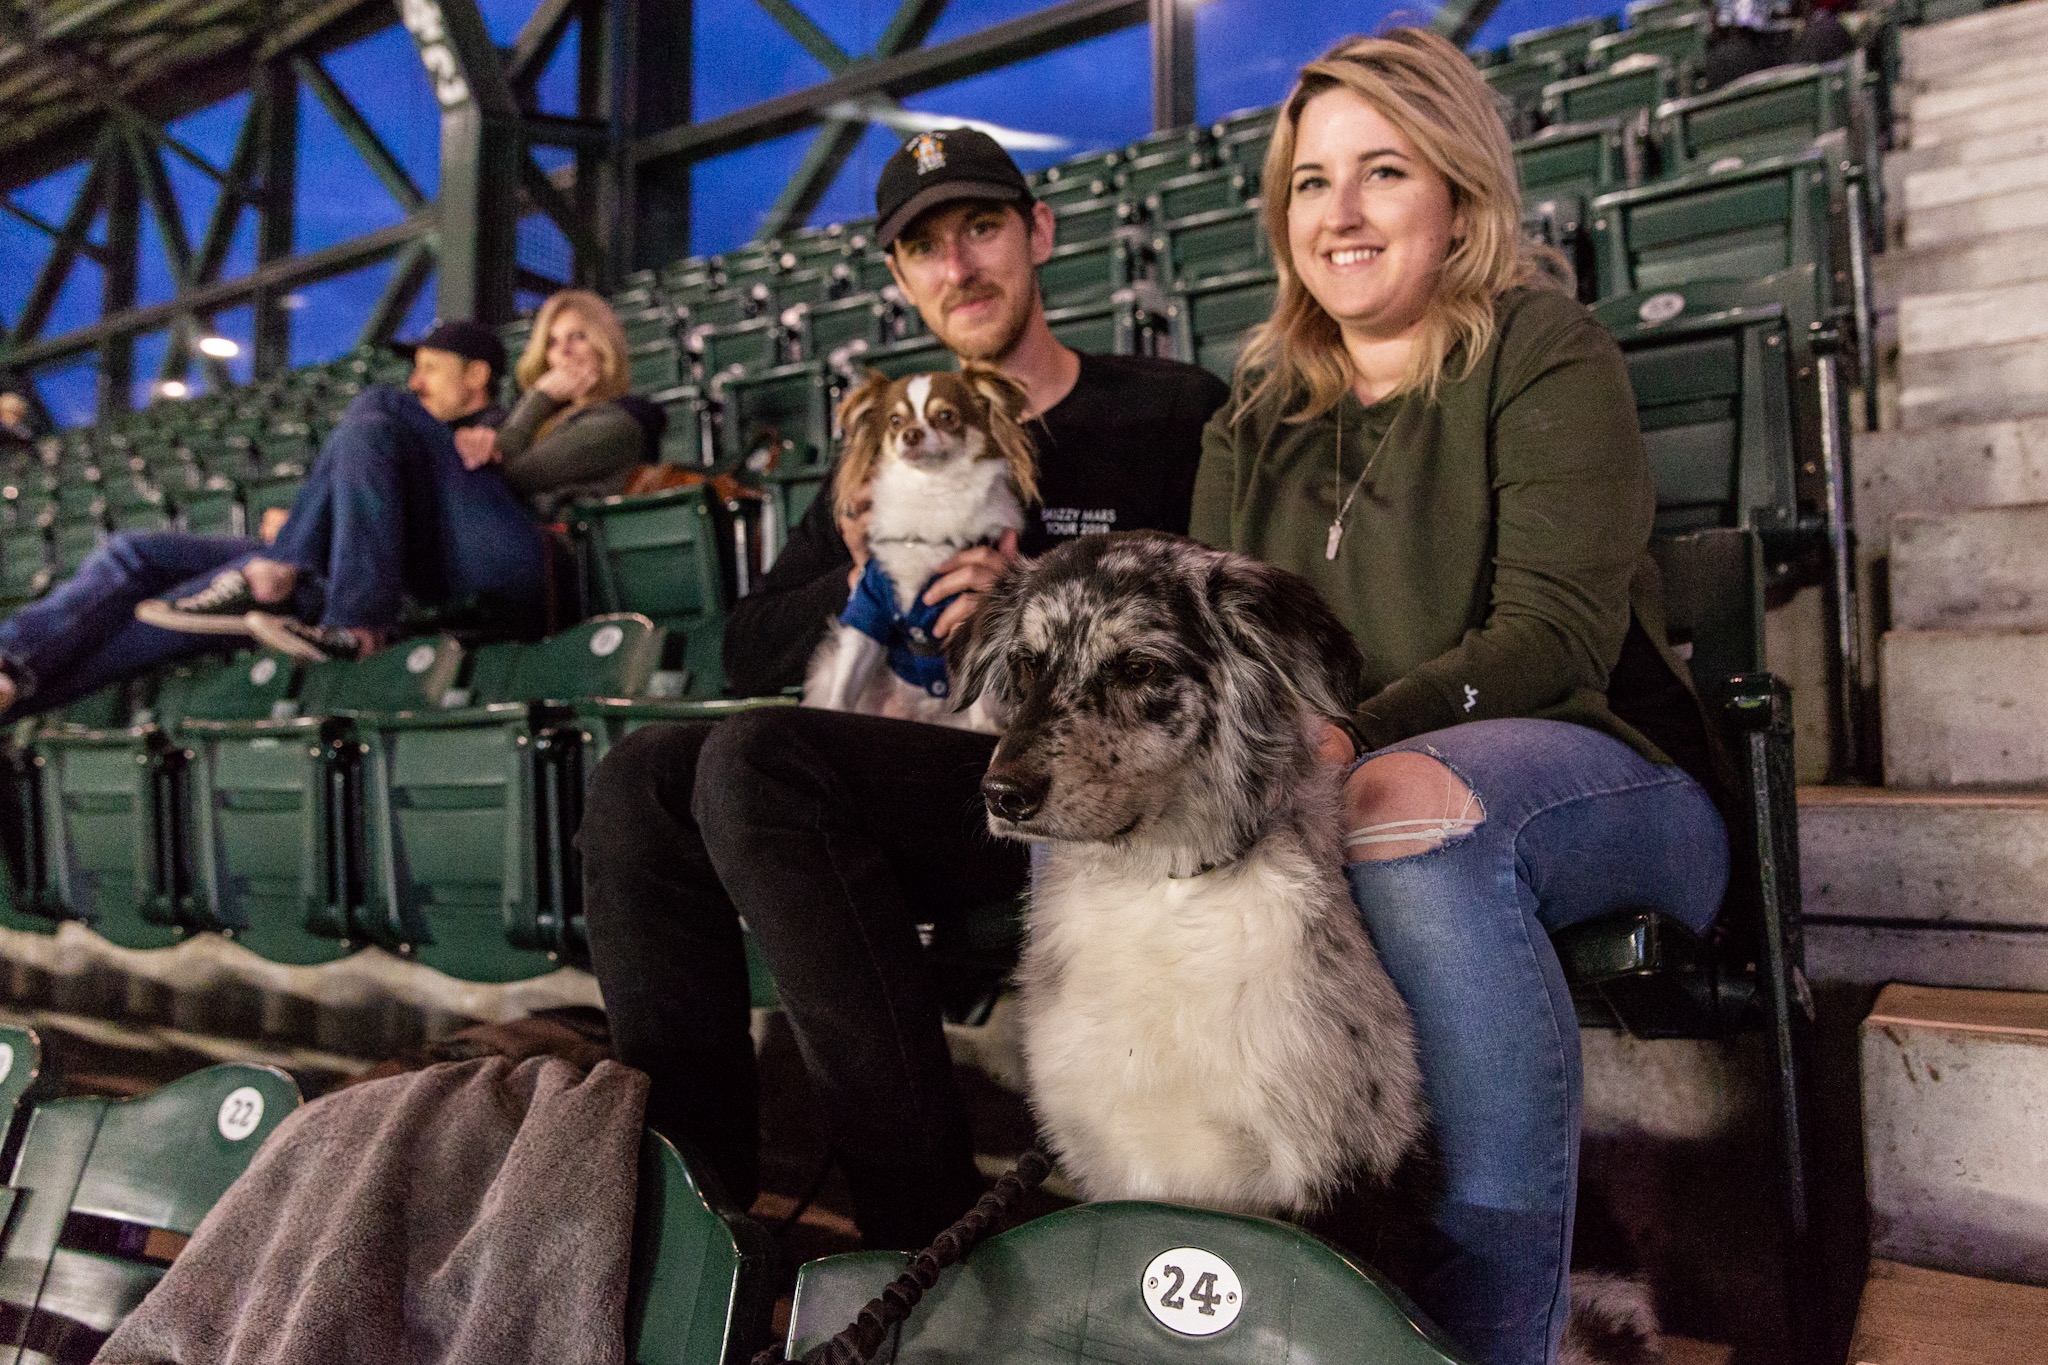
[969, 574]
[853, 529]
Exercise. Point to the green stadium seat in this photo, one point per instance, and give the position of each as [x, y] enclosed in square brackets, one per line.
[24, 563]
[1221, 187]
[1518, 87]
[1581, 159]
[464, 850]
[663, 556]
[1208, 245]
[755, 344]
[1142, 174]
[1713, 396]
[657, 366]
[1113, 1282]
[720, 308]
[71, 540]
[275, 791]
[648, 324]
[778, 418]
[822, 329]
[210, 507]
[1210, 319]
[21, 1076]
[789, 495]
[1091, 220]
[684, 441]
[1643, 12]
[1765, 114]
[1571, 41]
[1629, 89]
[1681, 41]
[105, 1192]
[807, 287]
[912, 355]
[1117, 327]
[275, 490]
[701, 1284]
[1085, 273]
[751, 266]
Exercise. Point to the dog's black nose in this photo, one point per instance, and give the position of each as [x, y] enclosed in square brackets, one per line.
[1011, 798]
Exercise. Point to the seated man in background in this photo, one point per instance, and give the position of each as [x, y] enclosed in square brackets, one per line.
[85, 634]
[834, 834]
[17, 436]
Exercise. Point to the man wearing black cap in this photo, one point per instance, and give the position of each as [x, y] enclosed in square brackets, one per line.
[391, 510]
[392, 449]
[833, 835]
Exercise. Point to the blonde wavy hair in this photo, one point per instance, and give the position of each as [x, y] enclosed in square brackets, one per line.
[1432, 93]
[607, 338]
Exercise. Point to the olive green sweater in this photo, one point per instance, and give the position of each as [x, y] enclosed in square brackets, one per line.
[1494, 561]
[592, 453]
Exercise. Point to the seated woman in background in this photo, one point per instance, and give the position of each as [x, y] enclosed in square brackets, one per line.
[1434, 432]
[400, 506]
[392, 511]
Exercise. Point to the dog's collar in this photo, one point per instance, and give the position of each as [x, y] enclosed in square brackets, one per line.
[950, 542]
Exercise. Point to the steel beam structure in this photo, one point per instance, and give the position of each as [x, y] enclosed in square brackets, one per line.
[1173, 64]
[651, 93]
[1461, 20]
[277, 161]
[1057, 26]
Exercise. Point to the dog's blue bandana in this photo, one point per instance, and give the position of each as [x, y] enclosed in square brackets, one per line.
[915, 654]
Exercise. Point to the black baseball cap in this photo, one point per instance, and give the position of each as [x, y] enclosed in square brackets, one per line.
[937, 168]
[470, 340]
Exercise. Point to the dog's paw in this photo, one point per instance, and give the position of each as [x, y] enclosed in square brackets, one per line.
[1613, 1322]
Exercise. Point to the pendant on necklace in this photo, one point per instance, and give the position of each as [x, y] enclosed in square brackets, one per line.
[1336, 535]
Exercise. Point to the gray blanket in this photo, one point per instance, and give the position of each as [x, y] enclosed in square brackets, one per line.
[474, 1213]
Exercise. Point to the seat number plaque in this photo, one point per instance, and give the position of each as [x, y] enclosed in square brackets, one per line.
[1192, 1291]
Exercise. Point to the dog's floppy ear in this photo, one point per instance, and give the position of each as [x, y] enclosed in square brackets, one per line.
[1007, 403]
[978, 650]
[860, 442]
[1278, 619]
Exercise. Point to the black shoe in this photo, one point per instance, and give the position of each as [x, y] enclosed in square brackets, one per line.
[289, 635]
[216, 609]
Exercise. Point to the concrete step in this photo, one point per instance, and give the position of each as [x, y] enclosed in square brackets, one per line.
[1948, 468]
[1942, 53]
[1971, 180]
[1938, 888]
[1910, 161]
[1912, 1316]
[2017, 210]
[2010, 89]
[1982, 569]
[1955, 1100]
[1991, 119]
[1981, 262]
[1964, 708]
[1973, 384]
[1968, 318]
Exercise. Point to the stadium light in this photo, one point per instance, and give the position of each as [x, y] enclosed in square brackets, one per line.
[220, 348]
[172, 388]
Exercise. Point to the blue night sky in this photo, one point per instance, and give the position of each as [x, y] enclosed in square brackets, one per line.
[1094, 96]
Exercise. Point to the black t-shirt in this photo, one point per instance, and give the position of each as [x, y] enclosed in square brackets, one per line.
[1118, 453]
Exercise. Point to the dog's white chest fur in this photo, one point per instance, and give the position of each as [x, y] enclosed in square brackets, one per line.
[1182, 1036]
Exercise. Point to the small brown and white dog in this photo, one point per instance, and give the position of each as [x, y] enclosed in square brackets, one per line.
[945, 462]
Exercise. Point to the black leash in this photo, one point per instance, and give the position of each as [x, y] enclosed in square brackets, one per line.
[870, 1328]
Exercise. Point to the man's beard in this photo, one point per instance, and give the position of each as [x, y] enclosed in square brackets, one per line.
[996, 352]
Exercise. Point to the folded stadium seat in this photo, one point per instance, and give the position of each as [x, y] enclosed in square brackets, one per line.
[755, 344]
[1085, 273]
[1518, 88]
[106, 1192]
[276, 791]
[1630, 88]
[651, 323]
[1570, 42]
[1641, 12]
[657, 365]
[1137, 1283]
[71, 540]
[779, 418]
[746, 268]
[1562, 169]
[1681, 41]
[464, 844]
[1210, 318]
[720, 308]
[1077, 177]
[821, 329]
[1087, 221]
[1225, 242]
[666, 556]
[810, 287]
[1740, 224]
[1121, 326]
[209, 506]
[114, 818]
[21, 1078]
[693, 274]
[701, 1284]
[1765, 114]
[274, 489]
[1165, 156]
[1227, 186]
[911, 355]
[685, 439]
[1245, 148]
[1713, 388]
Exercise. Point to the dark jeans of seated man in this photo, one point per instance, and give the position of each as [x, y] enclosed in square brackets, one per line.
[833, 836]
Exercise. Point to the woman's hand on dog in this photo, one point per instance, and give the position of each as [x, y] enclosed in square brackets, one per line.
[853, 529]
[968, 574]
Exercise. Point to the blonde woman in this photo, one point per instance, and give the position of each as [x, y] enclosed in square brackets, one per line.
[569, 437]
[1433, 431]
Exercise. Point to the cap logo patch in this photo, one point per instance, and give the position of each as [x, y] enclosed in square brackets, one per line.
[929, 150]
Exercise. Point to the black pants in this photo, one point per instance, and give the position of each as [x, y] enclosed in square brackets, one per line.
[833, 836]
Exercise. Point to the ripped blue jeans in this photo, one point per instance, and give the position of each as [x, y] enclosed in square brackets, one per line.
[1571, 824]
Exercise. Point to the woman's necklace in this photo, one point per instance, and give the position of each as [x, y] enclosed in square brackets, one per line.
[1337, 478]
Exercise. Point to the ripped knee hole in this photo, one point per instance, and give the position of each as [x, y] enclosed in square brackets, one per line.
[1407, 803]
